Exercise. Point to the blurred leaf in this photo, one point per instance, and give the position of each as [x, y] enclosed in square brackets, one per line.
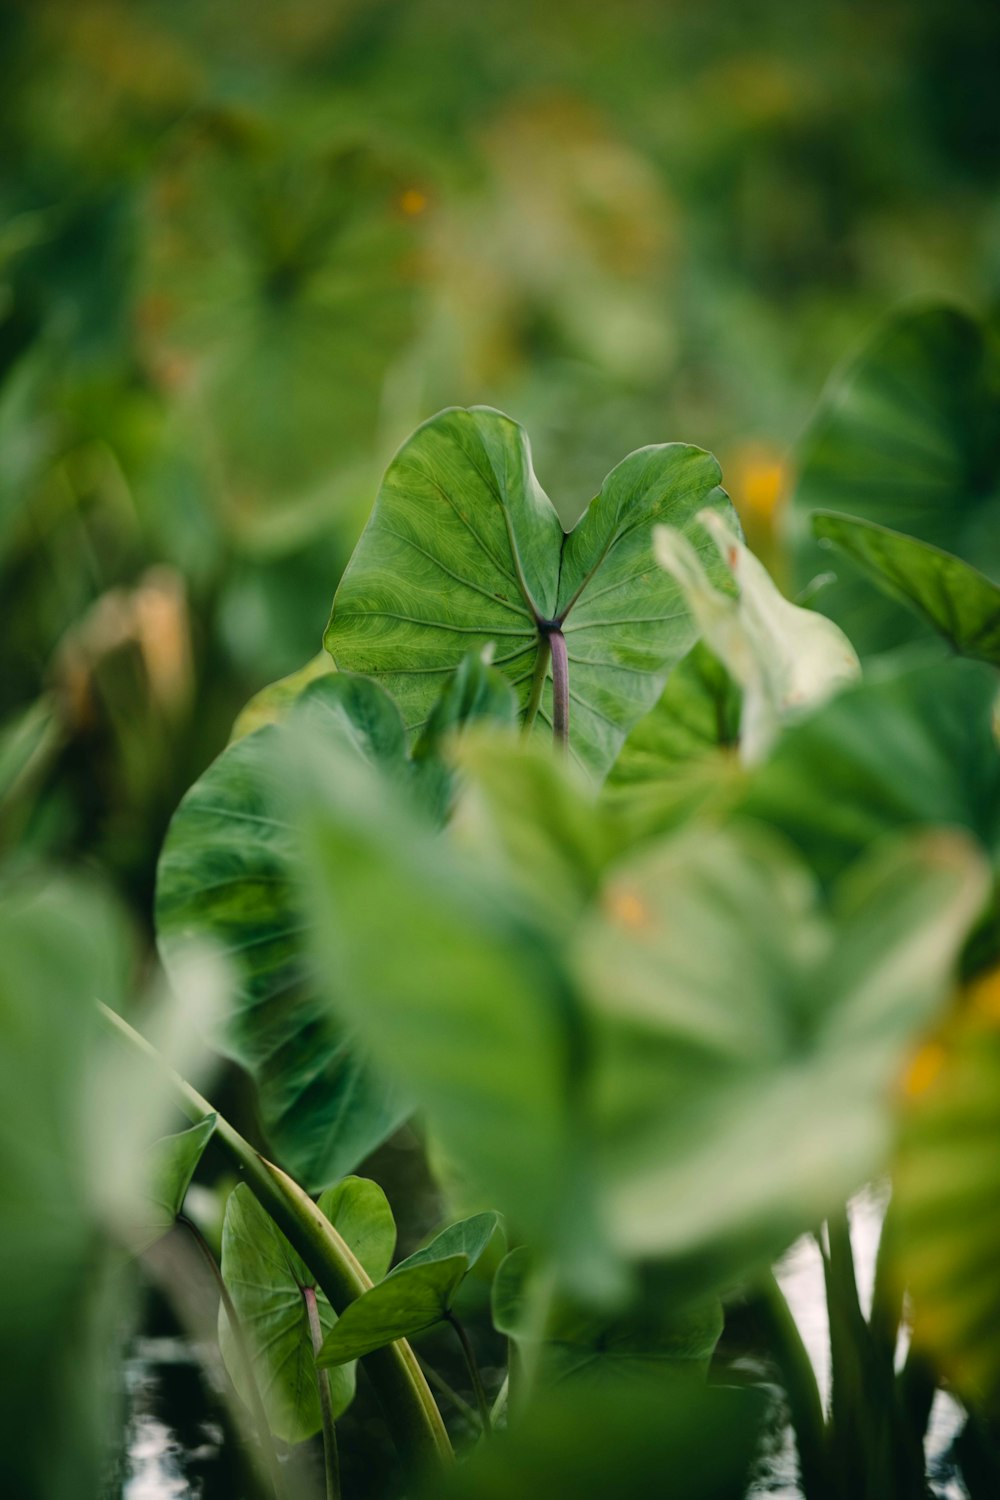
[906, 436]
[467, 1006]
[226, 872]
[914, 749]
[590, 1442]
[270, 705]
[460, 502]
[415, 1295]
[945, 1196]
[748, 1035]
[265, 1278]
[474, 692]
[961, 603]
[171, 1163]
[652, 1334]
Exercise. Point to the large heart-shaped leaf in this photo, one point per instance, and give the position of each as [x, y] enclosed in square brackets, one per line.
[267, 1282]
[464, 548]
[414, 1296]
[226, 873]
[959, 601]
[749, 1035]
[908, 435]
[945, 1195]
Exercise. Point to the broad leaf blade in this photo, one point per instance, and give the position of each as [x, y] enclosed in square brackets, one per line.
[463, 550]
[265, 1278]
[399, 1307]
[359, 1211]
[226, 872]
[907, 436]
[469, 1237]
[961, 603]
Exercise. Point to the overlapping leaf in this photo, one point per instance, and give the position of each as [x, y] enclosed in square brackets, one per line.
[463, 549]
[959, 601]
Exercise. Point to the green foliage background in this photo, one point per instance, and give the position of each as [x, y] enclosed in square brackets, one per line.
[246, 247]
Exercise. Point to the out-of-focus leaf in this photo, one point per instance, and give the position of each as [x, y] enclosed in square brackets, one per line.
[748, 1035]
[908, 436]
[651, 1334]
[785, 659]
[959, 601]
[945, 1197]
[414, 1296]
[915, 749]
[272, 703]
[464, 548]
[584, 1442]
[463, 1001]
[225, 872]
[170, 1164]
[265, 1278]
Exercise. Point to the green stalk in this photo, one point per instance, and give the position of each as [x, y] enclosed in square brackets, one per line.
[473, 1369]
[538, 681]
[801, 1388]
[243, 1354]
[397, 1377]
[331, 1459]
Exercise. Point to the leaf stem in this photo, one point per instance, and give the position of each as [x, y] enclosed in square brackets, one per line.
[801, 1389]
[331, 1459]
[396, 1375]
[538, 681]
[482, 1403]
[243, 1354]
[560, 688]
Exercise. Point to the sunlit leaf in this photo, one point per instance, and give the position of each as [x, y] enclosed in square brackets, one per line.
[464, 549]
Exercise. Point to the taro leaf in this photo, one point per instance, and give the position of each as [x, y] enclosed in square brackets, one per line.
[945, 1197]
[961, 603]
[680, 758]
[908, 436]
[748, 1034]
[651, 1335]
[171, 1164]
[468, 1006]
[415, 1295]
[273, 702]
[225, 873]
[265, 1278]
[631, 1441]
[914, 749]
[359, 1211]
[463, 549]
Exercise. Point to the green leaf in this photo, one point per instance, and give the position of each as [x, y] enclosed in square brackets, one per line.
[945, 1197]
[359, 1211]
[415, 1295]
[468, 1007]
[959, 601]
[272, 703]
[629, 1440]
[265, 1278]
[226, 873]
[907, 436]
[650, 1334]
[463, 549]
[475, 693]
[748, 1033]
[914, 749]
[171, 1164]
